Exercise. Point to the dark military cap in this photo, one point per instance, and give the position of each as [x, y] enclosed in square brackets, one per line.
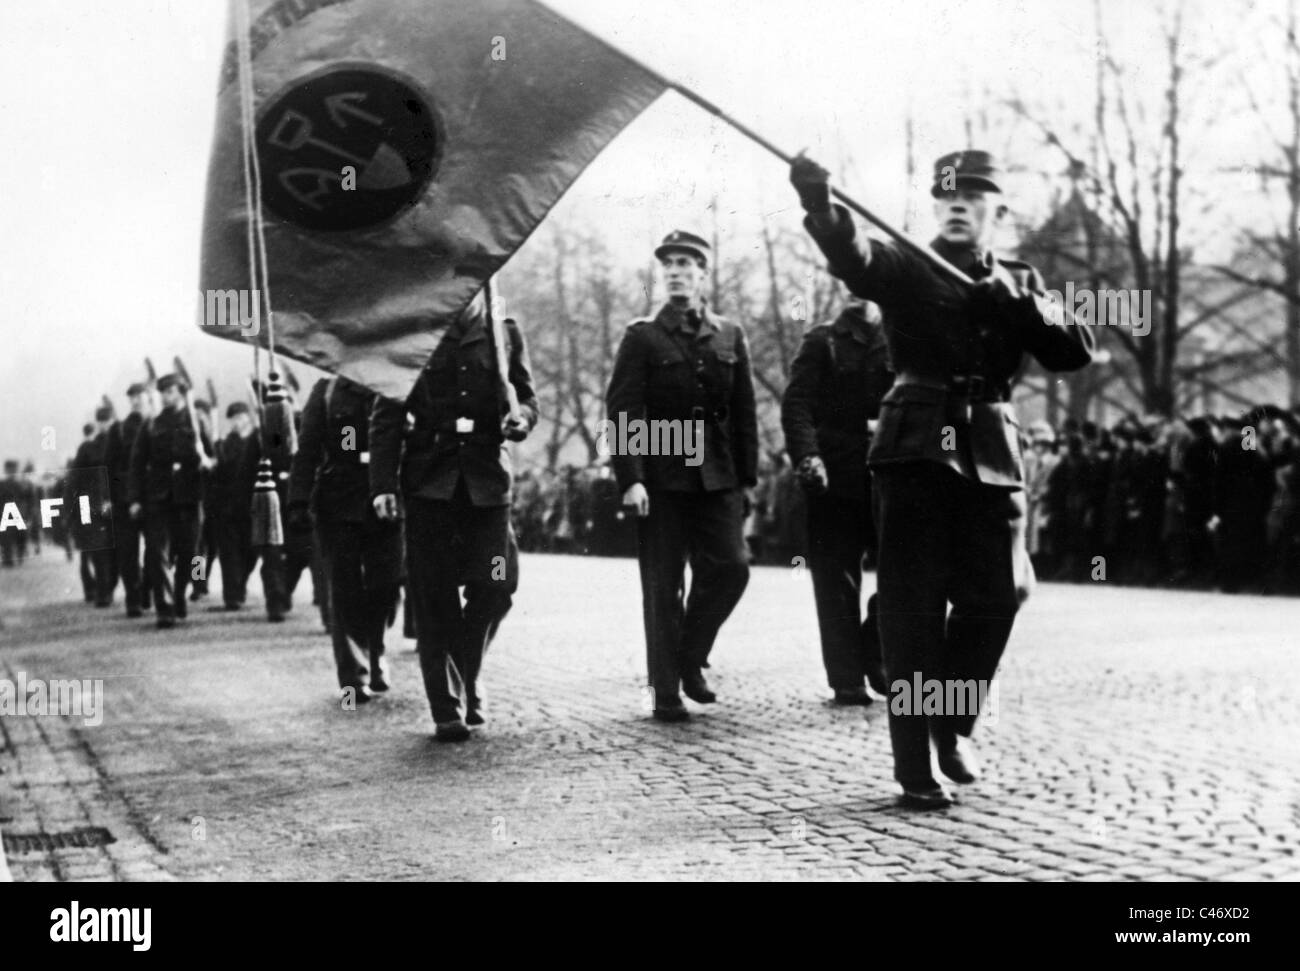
[238, 408]
[11, 467]
[138, 388]
[104, 414]
[682, 242]
[87, 430]
[971, 169]
[203, 406]
[172, 381]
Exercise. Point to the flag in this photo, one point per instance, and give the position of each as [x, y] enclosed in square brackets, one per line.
[407, 148]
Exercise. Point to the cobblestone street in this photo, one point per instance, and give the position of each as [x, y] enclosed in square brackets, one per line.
[1138, 735]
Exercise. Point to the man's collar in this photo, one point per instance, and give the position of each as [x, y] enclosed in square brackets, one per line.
[965, 256]
[673, 317]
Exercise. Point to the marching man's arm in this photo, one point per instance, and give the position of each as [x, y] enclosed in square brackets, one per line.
[626, 396]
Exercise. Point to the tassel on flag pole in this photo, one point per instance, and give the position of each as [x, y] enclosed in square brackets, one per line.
[267, 527]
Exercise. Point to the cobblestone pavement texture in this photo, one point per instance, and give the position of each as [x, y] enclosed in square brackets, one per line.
[1139, 735]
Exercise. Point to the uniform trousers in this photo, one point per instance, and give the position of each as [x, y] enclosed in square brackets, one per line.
[706, 529]
[363, 563]
[452, 544]
[171, 534]
[127, 533]
[943, 539]
[282, 568]
[235, 553]
[840, 534]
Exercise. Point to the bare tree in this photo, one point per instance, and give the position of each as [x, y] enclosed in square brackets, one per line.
[1133, 173]
[1281, 247]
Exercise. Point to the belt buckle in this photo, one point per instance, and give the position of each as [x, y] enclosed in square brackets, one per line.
[464, 426]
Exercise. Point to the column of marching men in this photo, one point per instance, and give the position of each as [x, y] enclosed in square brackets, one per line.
[897, 426]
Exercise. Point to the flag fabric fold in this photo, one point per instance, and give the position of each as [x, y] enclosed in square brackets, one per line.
[407, 148]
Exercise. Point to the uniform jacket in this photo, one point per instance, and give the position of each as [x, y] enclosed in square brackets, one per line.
[121, 439]
[331, 470]
[460, 381]
[663, 371]
[230, 484]
[933, 337]
[88, 476]
[165, 461]
[837, 381]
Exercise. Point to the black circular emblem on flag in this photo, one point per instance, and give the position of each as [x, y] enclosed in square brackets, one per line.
[347, 148]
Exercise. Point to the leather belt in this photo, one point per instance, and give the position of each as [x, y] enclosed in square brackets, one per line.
[717, 416]
[975, 388]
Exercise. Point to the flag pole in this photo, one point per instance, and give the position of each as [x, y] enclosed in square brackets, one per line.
[924, 252]
[502, 347]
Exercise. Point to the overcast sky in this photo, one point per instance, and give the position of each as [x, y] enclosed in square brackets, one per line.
[107, 108]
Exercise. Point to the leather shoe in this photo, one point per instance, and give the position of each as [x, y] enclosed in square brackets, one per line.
[671, 713]
[959, 761]
[696, 688]
[474, 717]
[452, 731]
[927, 795]
[165, 622]
[852, 696]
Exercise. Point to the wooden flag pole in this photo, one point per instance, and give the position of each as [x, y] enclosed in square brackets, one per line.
[500, 341]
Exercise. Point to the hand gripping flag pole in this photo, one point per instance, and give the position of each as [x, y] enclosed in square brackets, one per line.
[924, 252]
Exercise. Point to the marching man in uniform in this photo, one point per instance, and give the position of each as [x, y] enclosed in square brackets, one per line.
[691, 366]
[836, 383]
[946, 463]
[126, 530]
[164, 489]
[330, 480]
[452, 467]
